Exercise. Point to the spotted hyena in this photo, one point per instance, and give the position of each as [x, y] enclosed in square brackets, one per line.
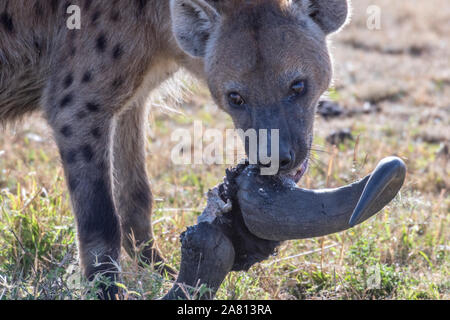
[266, 63]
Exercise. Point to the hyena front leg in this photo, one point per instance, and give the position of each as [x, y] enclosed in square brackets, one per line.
[83, 128]
[132, 191]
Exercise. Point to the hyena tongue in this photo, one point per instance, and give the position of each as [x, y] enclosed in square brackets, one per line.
[297, 175]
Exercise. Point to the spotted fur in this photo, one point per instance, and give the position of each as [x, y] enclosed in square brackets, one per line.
[91, 85]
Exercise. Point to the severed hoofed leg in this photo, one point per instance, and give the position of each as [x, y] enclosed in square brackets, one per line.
[276, 209]
[267, 210]
[218, 244]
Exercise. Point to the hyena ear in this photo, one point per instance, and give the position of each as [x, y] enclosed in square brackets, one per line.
[330, 15]
[193, 21]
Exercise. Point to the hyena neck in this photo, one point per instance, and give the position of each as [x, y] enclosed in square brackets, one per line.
[166, 56]
[169, 48]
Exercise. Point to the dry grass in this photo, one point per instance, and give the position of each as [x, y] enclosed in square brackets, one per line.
[402, 68]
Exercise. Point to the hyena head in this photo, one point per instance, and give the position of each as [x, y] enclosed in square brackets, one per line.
[266, 63]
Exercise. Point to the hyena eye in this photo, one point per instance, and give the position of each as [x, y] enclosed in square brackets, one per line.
[235, 99]
[298, 87]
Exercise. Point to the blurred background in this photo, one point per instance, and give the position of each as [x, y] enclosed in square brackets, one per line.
[391, 96]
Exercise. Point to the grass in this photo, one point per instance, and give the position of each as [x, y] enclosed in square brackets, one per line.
[403, 253]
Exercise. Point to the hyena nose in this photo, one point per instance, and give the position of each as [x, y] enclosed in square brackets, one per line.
[286, 159]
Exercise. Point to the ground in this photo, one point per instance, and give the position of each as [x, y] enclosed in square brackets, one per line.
[394, 86]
